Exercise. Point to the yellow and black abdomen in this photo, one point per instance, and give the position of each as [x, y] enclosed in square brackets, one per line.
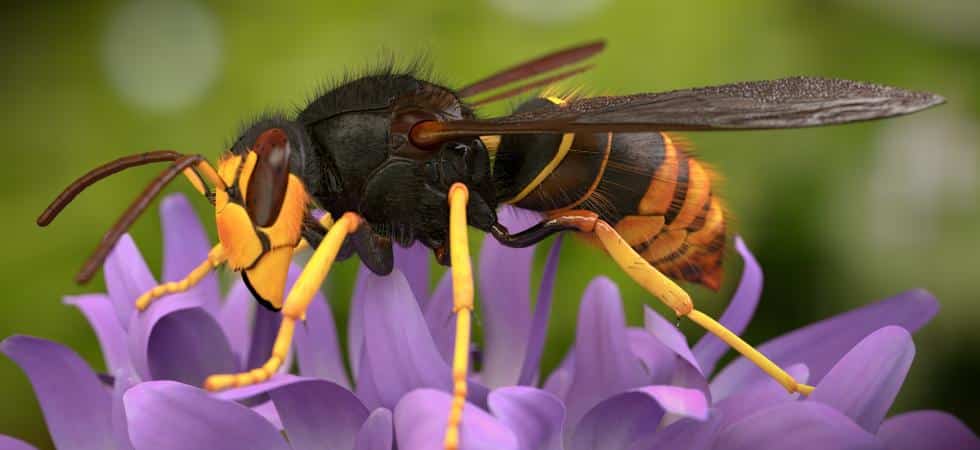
[658, 197]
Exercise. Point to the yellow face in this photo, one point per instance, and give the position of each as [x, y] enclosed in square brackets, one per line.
[263, 253]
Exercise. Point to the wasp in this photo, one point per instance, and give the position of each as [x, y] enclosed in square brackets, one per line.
[394, 158]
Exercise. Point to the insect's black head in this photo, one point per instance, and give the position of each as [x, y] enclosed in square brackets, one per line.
[259, 214]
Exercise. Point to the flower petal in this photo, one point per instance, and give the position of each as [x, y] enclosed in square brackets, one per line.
[633, 416]
[397, 345]
[126, 277]
[686, 373]
[737, 315]
[866, 380]
[658, 360]
[420, 423]
[798, 426]
[760, 395]
[265, 327]
[822, 344]
[927, 430]
[123, 380]
[505, 280]
[686, 434]
[355, 322]
[377, 433]
[317, 347]
[413, 262]
[9, 443]
[178, 342]
[256, 393]
[76, 406]
[186, 246]
[268, 411]
[315, 412]
[604, 364]
[517, 219]
[558, 383]
[439, 317]
[101, 315]
[535, 416]
[235, 318]
[166, 415]
[542, 311]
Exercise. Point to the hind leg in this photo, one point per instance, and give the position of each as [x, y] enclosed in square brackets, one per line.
[668, 292]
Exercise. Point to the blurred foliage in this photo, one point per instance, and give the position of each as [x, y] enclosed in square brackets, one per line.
[800, 197]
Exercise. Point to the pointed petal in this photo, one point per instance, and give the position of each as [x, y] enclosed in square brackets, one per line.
[413, 262]
[760, 395]
[659, 362]
[736, 317]
[633, 416]
[122, 382]
[77, 408]
[315, 412]
[866, 380]
[822, 344]
[927, 430]
[505, 280]
[669, 335]
[377, 433]
[604, 364]
[558, 383]
[165, 415]
[268, 412]
[185, 246]
[798, 426]
[355, 323]
[170, 341]
[539, 322]
[439, 317]
[235, 318]
[420, 423]
[397, 344]
[535, 416]
[126, 277]
[9, 443]
[101, 316]
[316, 345]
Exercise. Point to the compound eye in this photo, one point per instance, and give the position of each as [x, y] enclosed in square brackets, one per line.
[270, 178]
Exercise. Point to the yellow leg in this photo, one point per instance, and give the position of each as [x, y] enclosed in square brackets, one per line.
[216, 257]
[677, 299]
[462, 273]
[295, 306]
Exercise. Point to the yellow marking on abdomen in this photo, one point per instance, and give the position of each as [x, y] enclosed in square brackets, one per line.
[657, 198]
[698, 192]
[636, 230]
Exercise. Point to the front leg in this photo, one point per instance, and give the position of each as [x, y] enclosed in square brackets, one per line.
[215, 258]
[295, 306]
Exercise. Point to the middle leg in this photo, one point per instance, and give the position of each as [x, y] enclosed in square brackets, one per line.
[294, 308]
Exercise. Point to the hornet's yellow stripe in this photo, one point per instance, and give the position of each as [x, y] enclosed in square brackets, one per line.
[563, 148]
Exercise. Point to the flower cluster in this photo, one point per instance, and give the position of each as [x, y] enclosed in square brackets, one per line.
[619, 387]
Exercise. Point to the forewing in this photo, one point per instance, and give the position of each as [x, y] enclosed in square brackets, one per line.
[787, 103]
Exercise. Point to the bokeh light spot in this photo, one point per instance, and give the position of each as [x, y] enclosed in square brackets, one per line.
[162, 56]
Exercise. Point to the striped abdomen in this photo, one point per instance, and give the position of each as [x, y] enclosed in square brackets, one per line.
[658, 197]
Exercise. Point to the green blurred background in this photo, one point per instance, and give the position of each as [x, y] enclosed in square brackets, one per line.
[838, 217]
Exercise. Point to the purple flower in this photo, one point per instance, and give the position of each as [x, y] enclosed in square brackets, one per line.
[618, 387]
